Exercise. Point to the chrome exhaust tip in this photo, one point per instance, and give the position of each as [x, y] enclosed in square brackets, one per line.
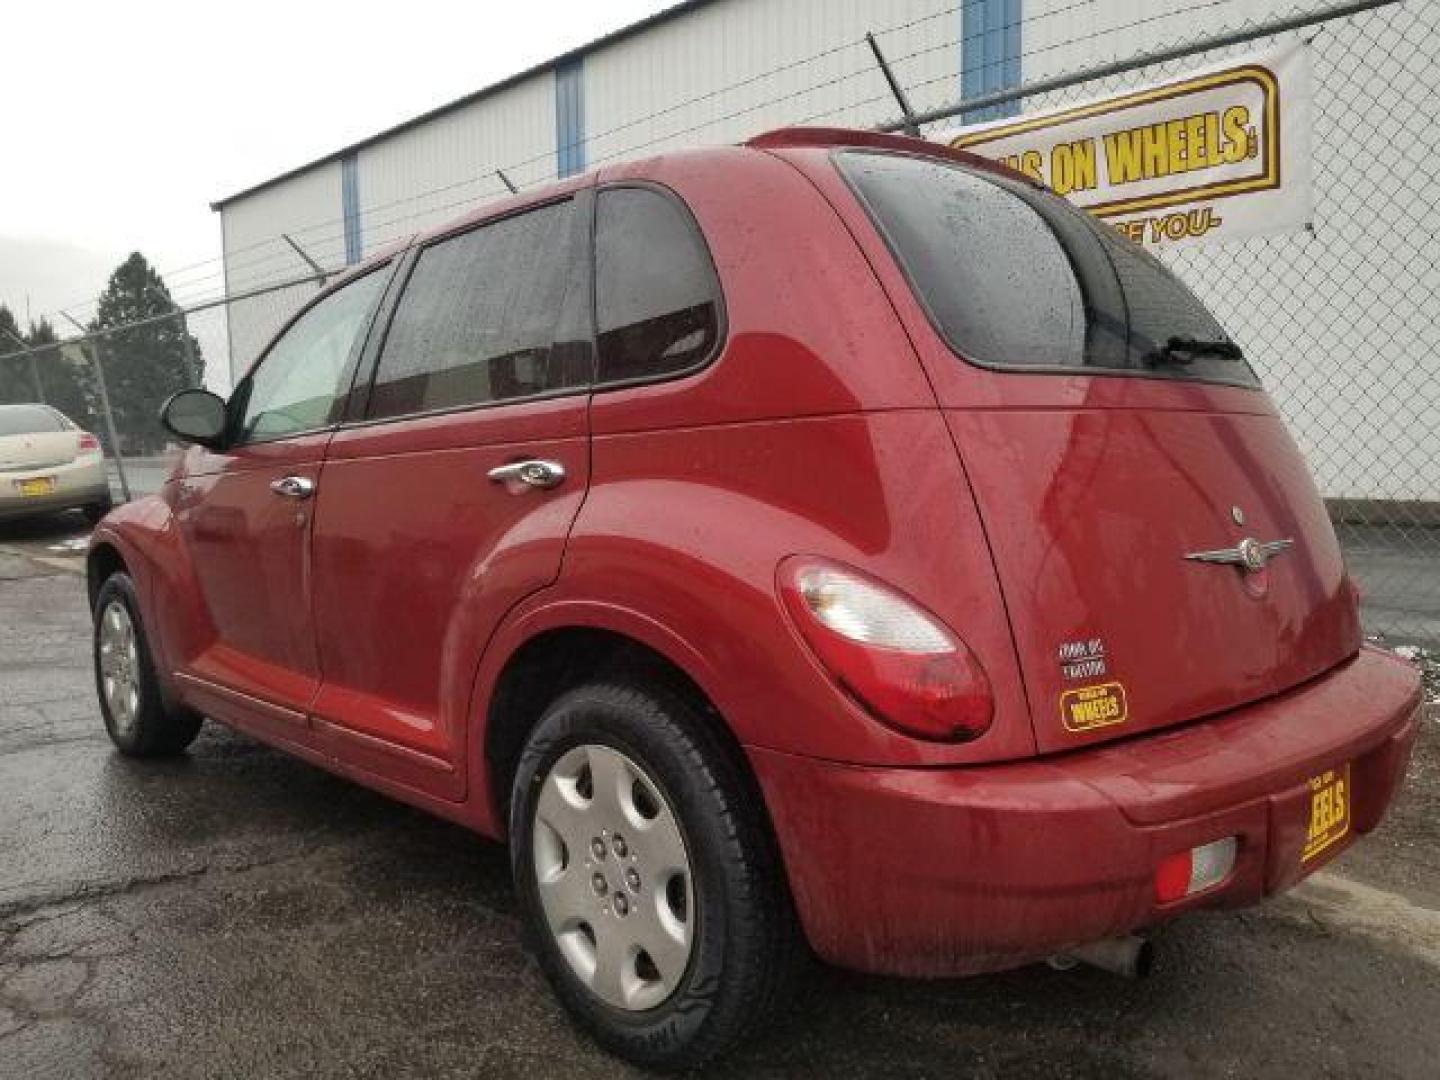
[1131, 957]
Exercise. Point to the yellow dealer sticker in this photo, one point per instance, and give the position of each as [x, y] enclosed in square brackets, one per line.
[1329, 811]
[1090, 707]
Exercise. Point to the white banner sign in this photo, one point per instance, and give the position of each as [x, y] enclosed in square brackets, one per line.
[1224, 152]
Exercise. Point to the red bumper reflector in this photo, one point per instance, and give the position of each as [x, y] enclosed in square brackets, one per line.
[1189, 872]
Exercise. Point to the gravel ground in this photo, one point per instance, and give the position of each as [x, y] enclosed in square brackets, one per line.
[236, 913]
[1429, 663]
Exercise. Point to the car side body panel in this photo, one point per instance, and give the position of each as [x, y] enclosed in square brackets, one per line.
[141, 532]
[249, 549]
[814, 432]
[687, 526]
[404, 611]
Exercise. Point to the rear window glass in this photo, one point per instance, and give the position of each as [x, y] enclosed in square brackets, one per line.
[477, 321]
[1015, 277]
[657, 300]
[28, 420]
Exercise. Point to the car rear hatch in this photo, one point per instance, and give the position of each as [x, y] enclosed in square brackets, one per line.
[1161, 548]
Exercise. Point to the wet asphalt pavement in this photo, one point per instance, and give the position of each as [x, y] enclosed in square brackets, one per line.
[236, 913]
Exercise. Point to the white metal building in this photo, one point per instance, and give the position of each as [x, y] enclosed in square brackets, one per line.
[717, 71]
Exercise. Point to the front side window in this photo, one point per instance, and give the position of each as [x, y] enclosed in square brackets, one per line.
[477, 321]
[301, 381]
[1015, 277]
[657, 299]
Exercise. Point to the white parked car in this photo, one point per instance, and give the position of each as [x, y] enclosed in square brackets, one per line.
[48, 464]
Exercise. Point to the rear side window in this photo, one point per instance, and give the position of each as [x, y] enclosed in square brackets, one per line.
[477, 321]
[1015, 277]
[657, 299]
[28, 420]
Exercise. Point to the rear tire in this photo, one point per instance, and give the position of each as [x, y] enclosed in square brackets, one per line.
[694, 847]
[136, 718]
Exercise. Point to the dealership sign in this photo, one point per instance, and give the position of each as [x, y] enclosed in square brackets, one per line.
[1223, 152]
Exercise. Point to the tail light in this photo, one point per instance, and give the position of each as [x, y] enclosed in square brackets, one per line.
[88, 442]
[899, 661]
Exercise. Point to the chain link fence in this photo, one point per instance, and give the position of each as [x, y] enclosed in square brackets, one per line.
[112, 379]
[1342, 320]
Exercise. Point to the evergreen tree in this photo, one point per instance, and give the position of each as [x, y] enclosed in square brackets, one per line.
[145, 364]
[17, 377]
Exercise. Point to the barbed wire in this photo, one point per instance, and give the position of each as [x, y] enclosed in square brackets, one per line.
[304, 230]
[233, 273]
[232, 277]
[282, 253]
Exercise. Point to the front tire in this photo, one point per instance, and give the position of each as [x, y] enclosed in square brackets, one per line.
[136, 718]
[647, 877]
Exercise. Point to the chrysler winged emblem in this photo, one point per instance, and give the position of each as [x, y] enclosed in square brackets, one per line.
[1249, 554]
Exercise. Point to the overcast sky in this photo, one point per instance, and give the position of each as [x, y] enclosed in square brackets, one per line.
[122, 121]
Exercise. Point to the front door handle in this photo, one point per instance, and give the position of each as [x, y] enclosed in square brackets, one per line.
[534, 473]
[293, 487]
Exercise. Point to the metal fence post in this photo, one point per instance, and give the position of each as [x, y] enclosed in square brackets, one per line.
[109, 416]
[305, 256]
[908, 124]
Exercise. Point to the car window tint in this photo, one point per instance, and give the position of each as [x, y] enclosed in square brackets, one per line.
[990, 270]
[478, 317]
[298, 385]
[657, 300]
[1013, 276]
[29, 420]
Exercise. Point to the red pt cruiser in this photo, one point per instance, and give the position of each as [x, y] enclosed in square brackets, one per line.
[836, 539]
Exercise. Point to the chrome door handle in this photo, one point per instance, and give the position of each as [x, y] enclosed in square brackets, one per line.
[293, 487]
[535, 474]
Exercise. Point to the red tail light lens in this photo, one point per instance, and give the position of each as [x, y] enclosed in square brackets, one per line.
[88, 442]
[899, 661]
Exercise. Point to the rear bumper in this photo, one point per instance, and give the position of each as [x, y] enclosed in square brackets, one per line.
[950, 871]
[77, 484]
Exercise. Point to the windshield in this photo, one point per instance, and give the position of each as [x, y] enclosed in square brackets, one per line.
[28, 420]
[1015, 277]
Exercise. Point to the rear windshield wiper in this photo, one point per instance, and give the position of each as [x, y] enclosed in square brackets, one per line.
[1182, 350]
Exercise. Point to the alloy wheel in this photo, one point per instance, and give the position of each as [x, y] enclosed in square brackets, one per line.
[120, 673]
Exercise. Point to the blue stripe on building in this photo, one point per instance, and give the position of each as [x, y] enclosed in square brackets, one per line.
[570, 117]
[989, 54]
[350, 206]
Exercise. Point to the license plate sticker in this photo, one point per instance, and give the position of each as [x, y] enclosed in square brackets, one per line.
[40, 485]
[1329, 811]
